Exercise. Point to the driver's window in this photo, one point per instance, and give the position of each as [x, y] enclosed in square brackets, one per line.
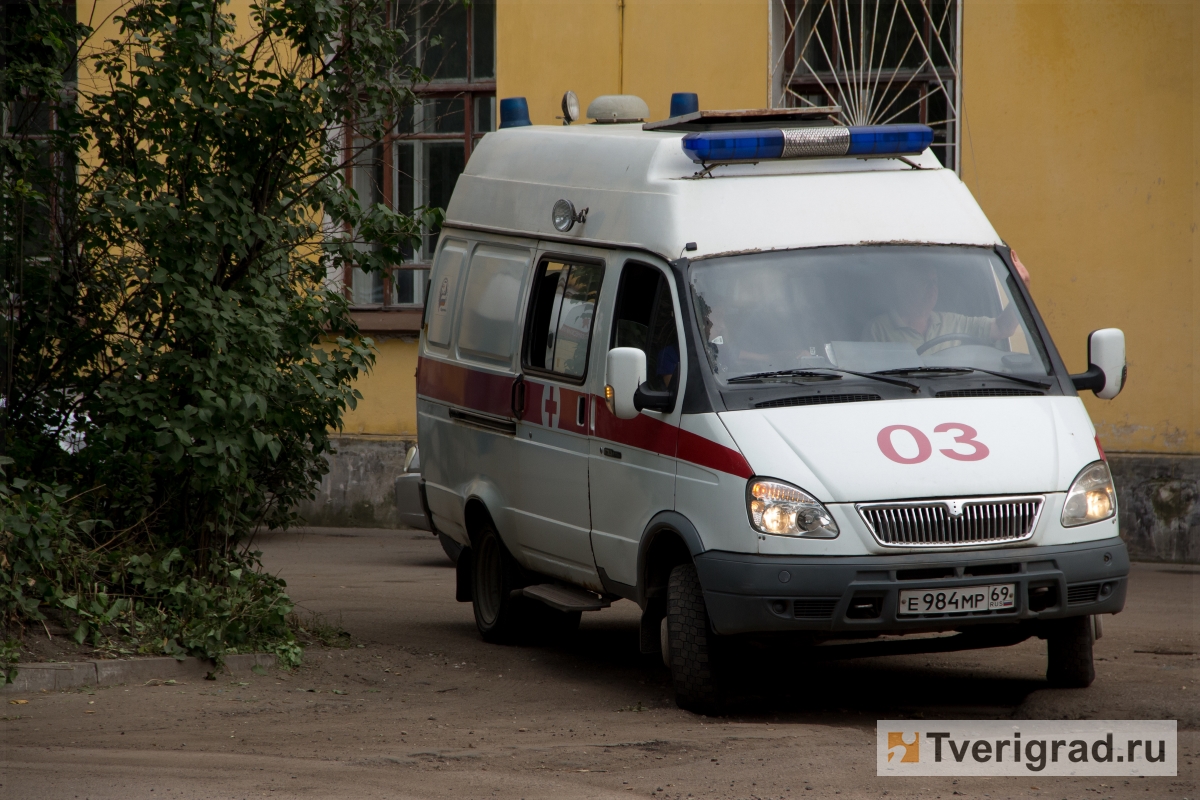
[645, 319]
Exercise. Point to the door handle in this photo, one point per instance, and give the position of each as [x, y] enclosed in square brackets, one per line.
[518, 397]
[581, 411]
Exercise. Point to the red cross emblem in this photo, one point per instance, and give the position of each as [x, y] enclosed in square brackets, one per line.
[550, 407]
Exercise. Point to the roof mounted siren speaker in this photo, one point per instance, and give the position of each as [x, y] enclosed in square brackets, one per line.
[514, 113]
[613, 108]
[684, 103]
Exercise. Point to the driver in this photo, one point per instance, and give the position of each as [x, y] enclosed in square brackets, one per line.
[913, 320]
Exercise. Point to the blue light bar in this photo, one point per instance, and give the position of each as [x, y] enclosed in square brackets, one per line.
[881, 140]
[823, 142]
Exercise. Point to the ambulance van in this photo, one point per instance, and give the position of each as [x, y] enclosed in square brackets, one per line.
[765, 376]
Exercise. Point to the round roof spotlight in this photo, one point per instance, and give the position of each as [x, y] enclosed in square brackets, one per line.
[610, 108]
[565, 216]
[570, 108]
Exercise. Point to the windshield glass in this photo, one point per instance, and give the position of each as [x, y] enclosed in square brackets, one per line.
[867, 309]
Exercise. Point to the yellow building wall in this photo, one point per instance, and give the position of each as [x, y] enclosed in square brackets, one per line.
[1080, 143]
[388, 407]
[716, 48]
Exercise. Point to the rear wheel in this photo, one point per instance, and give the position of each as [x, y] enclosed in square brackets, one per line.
[690, 643]
[1069, 645]
[495, 575]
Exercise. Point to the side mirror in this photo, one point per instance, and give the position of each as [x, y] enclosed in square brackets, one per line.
[625, 372]
[1106, 371]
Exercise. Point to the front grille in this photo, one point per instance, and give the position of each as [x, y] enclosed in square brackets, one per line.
[934, 523]
[817, 400]
[990, 393]
[1083, 593]
[814, 607]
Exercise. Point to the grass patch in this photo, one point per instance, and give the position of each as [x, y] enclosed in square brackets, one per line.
[313, 627]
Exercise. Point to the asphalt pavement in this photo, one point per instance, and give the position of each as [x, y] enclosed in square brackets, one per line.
[412, 704]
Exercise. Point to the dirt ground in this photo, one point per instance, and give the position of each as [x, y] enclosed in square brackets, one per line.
[417, 706]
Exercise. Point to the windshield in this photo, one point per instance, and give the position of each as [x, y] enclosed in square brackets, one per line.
[869, 309]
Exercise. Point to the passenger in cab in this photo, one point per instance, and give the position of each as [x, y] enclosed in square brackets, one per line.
[914, 321]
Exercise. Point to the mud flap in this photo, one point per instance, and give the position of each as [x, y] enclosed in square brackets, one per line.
[650, 641]
[462, 572]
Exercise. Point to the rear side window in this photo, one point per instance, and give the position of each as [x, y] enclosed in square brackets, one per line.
[646, 320]
[561, 313]
[490, 298]
[443, 291]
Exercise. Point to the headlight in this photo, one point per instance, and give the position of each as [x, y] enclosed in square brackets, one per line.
[784, 510]
[1091, 497]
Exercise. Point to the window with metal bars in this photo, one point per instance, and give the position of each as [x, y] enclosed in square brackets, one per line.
[417, 164]
[879, 61]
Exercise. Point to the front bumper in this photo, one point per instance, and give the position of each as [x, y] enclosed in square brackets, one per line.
[750, 593]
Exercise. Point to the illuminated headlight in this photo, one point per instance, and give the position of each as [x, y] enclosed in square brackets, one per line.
[785, 510]
[1091, 497]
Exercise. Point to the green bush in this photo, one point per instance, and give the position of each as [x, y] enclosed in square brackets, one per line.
[125, 601]
[173, 347]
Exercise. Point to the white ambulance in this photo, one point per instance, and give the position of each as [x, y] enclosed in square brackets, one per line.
[760, 374]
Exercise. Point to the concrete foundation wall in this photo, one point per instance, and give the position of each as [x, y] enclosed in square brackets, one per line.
[1158, 495]
[1158, 498]
[359, 489]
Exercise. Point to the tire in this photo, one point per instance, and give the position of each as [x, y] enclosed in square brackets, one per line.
[691, 644]
[452, 548]
[1069, 646]
[499, 616]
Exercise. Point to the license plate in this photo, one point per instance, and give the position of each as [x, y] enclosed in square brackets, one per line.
[962, 600]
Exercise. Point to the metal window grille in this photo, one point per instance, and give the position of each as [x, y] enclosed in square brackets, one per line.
[879, 61]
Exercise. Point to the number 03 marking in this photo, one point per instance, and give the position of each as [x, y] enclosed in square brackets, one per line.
[966, 436]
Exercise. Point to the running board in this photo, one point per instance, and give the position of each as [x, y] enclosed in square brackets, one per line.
[565, 598]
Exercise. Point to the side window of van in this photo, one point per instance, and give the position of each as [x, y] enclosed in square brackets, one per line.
[495, 280]
[443, 290]
[645, 319]
[561, 311]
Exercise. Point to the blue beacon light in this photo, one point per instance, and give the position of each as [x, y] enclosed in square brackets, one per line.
[514, 112]
[684, 103]
[820, 142]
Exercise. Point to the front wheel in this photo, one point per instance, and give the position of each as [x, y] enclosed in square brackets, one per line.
[1069, 646]
[690, 643]
[495, 575]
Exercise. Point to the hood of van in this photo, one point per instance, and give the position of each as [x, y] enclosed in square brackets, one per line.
[896, 449]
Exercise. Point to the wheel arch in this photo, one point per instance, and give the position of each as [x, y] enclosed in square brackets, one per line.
[669, 539]
[482, 502]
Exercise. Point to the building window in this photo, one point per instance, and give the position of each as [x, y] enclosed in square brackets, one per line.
[418, 163]
[879, 61]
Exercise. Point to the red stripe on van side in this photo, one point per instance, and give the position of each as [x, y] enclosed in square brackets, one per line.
[492, 394]
[706, 453]
[659, 437]
[540, 406]
[451, 383]
[642, 431]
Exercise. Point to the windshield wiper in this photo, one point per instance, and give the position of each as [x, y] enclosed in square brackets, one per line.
[783, 373]
[920, 370]
[806, 373]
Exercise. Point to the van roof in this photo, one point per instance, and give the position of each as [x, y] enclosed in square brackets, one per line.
[642, 191]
